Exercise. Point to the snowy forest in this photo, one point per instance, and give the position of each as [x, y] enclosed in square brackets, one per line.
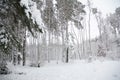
[59, 40]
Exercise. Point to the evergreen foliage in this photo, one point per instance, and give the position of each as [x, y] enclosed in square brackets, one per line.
[12, 14]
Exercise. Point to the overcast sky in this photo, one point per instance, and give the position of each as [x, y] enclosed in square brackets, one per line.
[106, 7]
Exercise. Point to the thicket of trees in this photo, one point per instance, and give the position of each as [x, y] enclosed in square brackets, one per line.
[109, 40]
[56, 38]
[13, 26]
[56, 17]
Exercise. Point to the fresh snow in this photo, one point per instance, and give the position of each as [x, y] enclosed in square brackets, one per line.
[77, 70]
[32, 8]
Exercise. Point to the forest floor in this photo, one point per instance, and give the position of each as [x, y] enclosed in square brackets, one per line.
[75, 70]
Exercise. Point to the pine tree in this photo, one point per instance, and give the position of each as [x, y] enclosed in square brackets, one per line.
[69, 10]
[11, 14]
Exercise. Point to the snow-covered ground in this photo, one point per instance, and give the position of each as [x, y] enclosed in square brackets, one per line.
[75, 70]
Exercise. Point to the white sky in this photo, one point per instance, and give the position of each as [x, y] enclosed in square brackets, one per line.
[106, 7]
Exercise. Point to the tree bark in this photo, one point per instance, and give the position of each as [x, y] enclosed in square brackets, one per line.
[24, 53]
[24, 49]
[89, 6]
[67, 55]
[67, 40]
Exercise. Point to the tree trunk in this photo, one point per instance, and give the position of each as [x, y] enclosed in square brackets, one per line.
[24, 53]
[39, 37]
[49, 44]
[63, 44]
[89, 5]
[24, 49]
[67, 55]
[67, 41]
